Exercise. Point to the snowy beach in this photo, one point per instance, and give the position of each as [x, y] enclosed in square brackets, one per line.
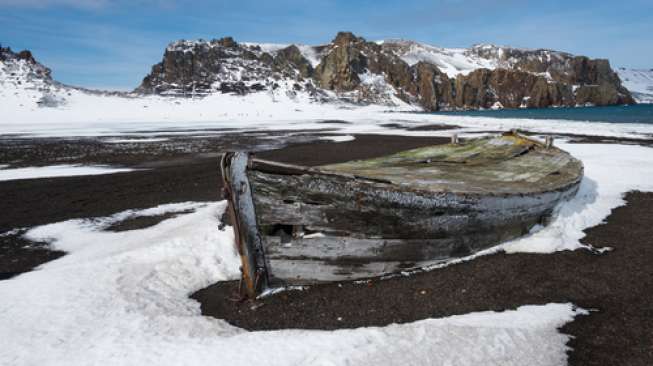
[453, 183]
[138, 243]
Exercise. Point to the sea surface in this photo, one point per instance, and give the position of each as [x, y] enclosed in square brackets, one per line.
[641, 113]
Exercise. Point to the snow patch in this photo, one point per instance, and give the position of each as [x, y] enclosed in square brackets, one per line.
[342, 138]
[496, 106]
[122, 298]
[134, 141]
[610, 172]
[54, 171]
[451, 61]
[639, 82]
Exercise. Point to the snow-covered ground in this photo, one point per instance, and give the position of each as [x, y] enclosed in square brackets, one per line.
[52, 171]
[121, 298]
[339, 138]
[135, 140]
[639, 82]
[96, 115]
[610, 171]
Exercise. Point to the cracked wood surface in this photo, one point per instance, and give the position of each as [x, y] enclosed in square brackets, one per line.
[406, 210]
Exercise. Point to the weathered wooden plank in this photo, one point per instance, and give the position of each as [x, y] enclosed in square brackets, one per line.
[399, 212]
[243, 215]
[505, 164]
[328, 258]
[306, 272]
[364, 209]
[362, 250]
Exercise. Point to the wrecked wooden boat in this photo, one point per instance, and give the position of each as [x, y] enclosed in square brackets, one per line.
[297, 225]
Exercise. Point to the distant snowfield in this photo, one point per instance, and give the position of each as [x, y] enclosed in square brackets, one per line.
[53, 171]
[122, 297]
[94, 115]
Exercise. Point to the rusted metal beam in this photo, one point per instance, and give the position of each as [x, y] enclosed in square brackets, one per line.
[243, 217]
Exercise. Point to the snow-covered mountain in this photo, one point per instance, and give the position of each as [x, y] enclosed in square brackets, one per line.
[639, 82]
[28, 84]
[347, 72]
[22, 78]
[388, 72]
[29, 97]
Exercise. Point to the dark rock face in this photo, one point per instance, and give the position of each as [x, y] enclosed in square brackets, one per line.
[349, 56]
[289, 59]
[354, 69]
[222, 65]
[485, 88]
[342, 63]
[531, 79]
[27, 56]
[432, 87]
[566, 80]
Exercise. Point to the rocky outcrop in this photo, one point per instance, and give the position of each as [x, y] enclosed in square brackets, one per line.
[31, 84]
[564, 79]
[369, 72]
[290, 59]
[531, 79]
[222, 65]
[432, 87]
[24, 61]
[486, 88]
[349, 57]
[21, 72]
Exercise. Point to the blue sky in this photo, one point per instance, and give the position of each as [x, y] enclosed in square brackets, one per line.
[113, 43]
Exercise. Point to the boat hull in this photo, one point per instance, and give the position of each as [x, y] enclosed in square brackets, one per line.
[297, 225]
[373, 228]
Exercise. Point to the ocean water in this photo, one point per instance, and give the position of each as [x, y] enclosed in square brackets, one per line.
[641, 113]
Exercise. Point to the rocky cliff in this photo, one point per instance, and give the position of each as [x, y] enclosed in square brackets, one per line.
[19, 71]
[353, 69]
[223, 65]
[21, 67]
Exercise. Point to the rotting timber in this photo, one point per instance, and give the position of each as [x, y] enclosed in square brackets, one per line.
[297, 225]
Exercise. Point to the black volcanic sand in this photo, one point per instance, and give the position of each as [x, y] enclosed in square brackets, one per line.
[618, 284]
